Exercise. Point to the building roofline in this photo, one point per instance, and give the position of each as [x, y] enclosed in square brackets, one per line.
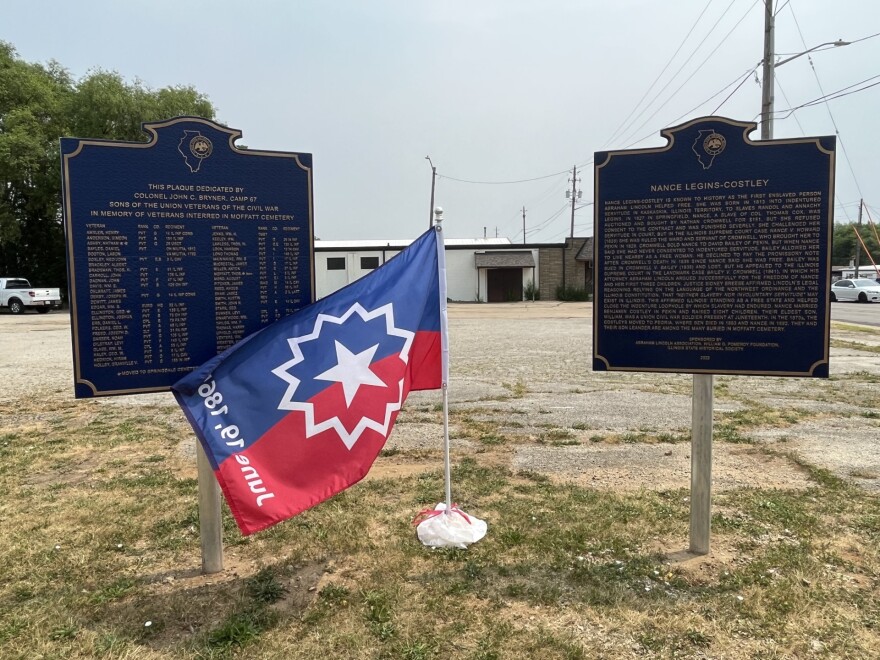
[354, 246]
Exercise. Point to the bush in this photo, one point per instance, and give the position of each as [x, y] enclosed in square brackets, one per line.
[572, 294]
[531, 292]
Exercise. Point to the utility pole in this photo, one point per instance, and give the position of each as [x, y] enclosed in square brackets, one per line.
[859, 231]
[524, 224]
[768, 81]
[433, 181]
[768, 85]
[574, 193]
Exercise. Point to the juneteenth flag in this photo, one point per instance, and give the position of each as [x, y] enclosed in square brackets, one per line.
[299, 411]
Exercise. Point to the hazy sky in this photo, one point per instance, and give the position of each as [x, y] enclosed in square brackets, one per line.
[492, 90]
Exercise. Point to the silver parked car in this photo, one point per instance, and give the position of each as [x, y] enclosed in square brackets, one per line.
[861, 289]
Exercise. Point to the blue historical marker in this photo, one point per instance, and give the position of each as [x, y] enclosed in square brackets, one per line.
[713, 253]
[177, 248]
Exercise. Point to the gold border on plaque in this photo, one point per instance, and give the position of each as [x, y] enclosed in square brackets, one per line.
[747, 128]
[151, 129]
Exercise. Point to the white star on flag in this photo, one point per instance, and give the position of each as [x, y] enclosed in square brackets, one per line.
[352, 370]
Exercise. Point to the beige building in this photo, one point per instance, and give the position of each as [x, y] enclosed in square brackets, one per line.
[477, 270]
[568, 265]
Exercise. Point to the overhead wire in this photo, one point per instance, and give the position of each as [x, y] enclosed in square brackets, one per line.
[827, 107]
[554, 189]
[833, 96]
[845, 207]
[699, 105]
[561, 234]
[739, 81]
[791, 111]
[695, 50]
[675, 75]
[660, 75]
[507, 222]
[779, 9]
[540, 197]
[832, 46]
[500, 183]
[543, 225]
[870, 221]
[785, 96]
[695, 71]
[735, 90]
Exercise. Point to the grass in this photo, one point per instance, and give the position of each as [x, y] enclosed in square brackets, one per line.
[643, 436]
[733, 426]
[855, 345]
[556, 437]
[517, 390]
[100, 538]
[852, 327]
[88, 565]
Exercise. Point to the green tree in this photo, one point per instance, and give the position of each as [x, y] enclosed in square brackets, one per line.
[844, 243]
[39, 105]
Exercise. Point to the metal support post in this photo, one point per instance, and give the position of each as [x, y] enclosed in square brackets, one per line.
[210, 521]
[701, 464]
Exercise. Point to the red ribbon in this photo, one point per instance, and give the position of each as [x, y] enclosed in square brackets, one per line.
[427, 514]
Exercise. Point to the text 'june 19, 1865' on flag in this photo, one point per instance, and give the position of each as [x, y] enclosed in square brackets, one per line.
[299, 411]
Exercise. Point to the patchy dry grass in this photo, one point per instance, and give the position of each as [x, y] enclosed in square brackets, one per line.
[517, 390]
[838, 326]
[649, 437]
[733, 426]
[855, 345]
[101, 555]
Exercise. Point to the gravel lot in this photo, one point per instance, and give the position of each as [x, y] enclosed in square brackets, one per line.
[525, 367]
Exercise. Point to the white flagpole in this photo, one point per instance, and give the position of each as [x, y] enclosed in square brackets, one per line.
[444, 353]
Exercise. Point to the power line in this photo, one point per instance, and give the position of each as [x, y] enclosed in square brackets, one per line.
[543, 225]
[833, 45]
[501, 183]
[785, 96]
[699, 105]
[552, 190]
[660, 75]
[735, 89]
[870, 36]
[696, 107]
[739, 81]
[827, 107]
[675, 75]
[840, 93]
[833, 96]
[702, 64]
[803, 132]
[739, 78]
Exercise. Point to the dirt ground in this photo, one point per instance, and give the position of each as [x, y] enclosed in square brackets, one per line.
[524, 369]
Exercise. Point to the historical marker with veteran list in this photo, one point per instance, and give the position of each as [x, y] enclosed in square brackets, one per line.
[712, 253]
[177, 248]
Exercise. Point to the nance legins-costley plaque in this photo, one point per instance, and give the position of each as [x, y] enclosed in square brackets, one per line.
[712, 253]
[177, 248]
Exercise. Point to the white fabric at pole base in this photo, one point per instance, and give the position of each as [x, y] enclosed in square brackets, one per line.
[455, 529]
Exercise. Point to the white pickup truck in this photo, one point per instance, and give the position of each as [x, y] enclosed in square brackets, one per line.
[18, 295]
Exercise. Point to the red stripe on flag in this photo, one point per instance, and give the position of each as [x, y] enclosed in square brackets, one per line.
[285, 472]
[424, 362]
